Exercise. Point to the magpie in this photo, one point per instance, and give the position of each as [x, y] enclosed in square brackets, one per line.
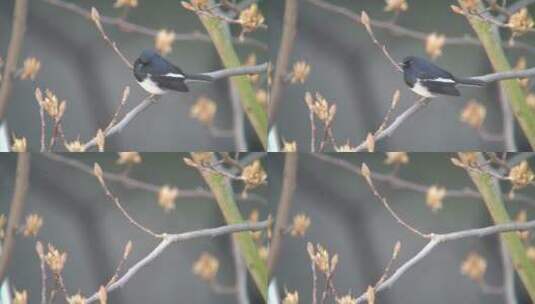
[158, 76]
[428, 80]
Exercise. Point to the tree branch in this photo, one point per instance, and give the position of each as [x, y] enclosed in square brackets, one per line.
[398, 30]
[283, 209]
[126, 26]
[141, 185]
[15, 45]
[15, 211]
[437, 239]
[396, 182]
[283, 57]
[169, 239]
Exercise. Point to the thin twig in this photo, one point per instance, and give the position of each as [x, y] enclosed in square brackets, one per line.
[437, 239]
[18, 29]
[396, 182]
[141, 185]
[401, 31]
[385, 203]
[117, 203]
[95, 16]
[126, 26]
[20, 190]
[169, 239]
[283, 209]
[287, 41]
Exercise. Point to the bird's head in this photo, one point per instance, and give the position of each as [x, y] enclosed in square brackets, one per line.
[145, 59]
[407, 61]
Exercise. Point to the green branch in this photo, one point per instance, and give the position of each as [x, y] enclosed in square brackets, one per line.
[492, 196]
[222, 39]
[222, 190]
[490, 39]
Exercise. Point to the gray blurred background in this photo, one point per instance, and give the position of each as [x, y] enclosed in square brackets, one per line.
[347, 219]
[79, 219]
[81, 68]
[350, 71]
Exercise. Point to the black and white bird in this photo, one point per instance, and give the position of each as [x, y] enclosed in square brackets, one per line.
[158, 76]
[428, 80]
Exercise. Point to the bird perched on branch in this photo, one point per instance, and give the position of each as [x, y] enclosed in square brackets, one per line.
[428, 80]
[157, 75]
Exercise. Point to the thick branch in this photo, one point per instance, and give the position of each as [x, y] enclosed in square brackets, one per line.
[15, 212]
[15, 45]
[175, 238]
[283, 57]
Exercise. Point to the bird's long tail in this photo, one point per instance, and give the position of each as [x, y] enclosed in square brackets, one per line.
[199, 77]
[470, 82]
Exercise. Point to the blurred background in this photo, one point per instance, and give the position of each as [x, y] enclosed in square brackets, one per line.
[81, 220]
[351, 72]
[348, 220]
[78, 66]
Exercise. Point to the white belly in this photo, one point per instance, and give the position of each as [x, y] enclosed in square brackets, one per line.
[151, 87]
[419, 89]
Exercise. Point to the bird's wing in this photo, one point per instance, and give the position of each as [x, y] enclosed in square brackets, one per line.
[171, 81]
[441, 86]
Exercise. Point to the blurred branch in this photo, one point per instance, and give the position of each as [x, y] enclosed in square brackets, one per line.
[492, 195]
[283, 57]
[221, 37]
[398, 30]
[222, 189]
[169, 239]
[437, 239]
[508, 122]
[238, 123]
[508, 275]
[240, 270]
[396, 182]
[126, 26]
[137, 184]
[283, 209]
[491, 41]
[22, 177]
[18, 29]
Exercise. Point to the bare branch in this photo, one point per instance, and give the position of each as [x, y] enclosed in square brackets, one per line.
[437, 239]
[169, 239]
[396, 182]
[401, 31]
[283, 57]
[20, 190]
[129, 27]
[137, 184]
[283, 209]
[15, 45]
